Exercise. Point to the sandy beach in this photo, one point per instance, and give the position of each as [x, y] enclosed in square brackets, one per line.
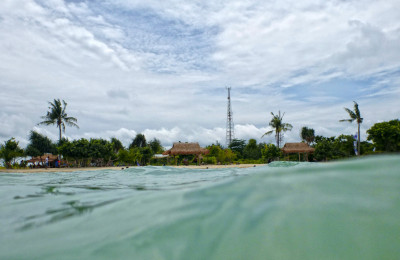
[123, 167]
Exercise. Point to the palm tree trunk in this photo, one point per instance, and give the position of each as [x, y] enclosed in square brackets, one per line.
[59, 126]
[358, 141]
[277, 139]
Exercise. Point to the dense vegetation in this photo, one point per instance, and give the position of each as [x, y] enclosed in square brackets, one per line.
[385, 137]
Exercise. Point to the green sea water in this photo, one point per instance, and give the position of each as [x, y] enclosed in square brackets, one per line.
[339, 210]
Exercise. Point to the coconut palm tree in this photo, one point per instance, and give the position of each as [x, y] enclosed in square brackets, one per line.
[279, 127]
[56, 115]
[307, 134]
[354, 116]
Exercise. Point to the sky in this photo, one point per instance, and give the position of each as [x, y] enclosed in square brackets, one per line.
[161, 68]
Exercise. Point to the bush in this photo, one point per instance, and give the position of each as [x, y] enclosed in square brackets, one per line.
[210, 160]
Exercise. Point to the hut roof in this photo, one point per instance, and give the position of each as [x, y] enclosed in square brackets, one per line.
[185, 148]
[43, 158]
[297, 148]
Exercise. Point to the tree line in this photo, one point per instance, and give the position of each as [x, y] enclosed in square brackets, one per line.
[382, 137]
[385, 137]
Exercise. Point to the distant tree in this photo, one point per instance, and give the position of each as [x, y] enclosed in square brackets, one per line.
[124, 157]
[278, 127]
[117, 145]
[57, 116]
[139, 141]
[385, 136]
[270, 152]
[367, 147]
[9, 151]
[100, 151]
[156, 146]
[331, 148]
[307, 135]
[355, 116]
[343, 146]
[147, 153]
[215, 151]
[32, 151]
[78, 150]
[81, 149]
[229, 155]
[62, 141]
[219, 144]
[323, 148]
[252, 150]
[135, 155]
[65, 148]
[39, 144]
[237, 146]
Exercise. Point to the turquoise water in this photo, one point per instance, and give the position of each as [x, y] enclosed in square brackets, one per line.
[340, 210]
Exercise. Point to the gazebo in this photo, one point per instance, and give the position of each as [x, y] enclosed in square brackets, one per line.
[42, 159]
[297, 148]
[186, 149]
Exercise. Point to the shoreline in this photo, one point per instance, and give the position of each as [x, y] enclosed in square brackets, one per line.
[124, 167]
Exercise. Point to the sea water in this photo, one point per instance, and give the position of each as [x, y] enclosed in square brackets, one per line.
[285, 210]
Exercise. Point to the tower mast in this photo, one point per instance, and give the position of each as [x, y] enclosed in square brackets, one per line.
[230, 129]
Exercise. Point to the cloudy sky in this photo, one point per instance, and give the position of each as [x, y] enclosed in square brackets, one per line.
[161, 67]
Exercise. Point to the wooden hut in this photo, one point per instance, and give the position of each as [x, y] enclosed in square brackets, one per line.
[186, 149]
[42, 159]
[297, 148]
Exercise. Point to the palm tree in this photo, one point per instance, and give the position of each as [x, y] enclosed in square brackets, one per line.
[307, 134]
[56, 115]
[279, 127]
[355, 115]
[139, 141]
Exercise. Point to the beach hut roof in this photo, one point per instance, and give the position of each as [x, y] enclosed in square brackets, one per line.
[42, 158]
[186, 148]
[297, 148]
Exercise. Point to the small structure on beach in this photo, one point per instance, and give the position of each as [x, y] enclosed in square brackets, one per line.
[42, 159]
[187, 149]
[299, 148]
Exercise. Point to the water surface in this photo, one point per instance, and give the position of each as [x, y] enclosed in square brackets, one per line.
[286, 210]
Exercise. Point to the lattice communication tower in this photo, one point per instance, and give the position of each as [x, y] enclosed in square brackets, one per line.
[230, 128]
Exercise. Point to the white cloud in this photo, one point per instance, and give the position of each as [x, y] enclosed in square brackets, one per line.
[160, 68]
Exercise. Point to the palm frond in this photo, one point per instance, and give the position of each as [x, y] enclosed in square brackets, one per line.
[346, 120]
[358, 113]
[351, 113]
[64, 108]
[281, 117]
[286, 127]
[46, 122]
[63, 126]
[69, 123]
[71, 119]
[268, 133]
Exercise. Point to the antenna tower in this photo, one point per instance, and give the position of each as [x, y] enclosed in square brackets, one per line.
[230, 131]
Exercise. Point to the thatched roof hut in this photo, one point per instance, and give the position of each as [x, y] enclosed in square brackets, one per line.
[297, 148]
[186, 148]
[42, 158]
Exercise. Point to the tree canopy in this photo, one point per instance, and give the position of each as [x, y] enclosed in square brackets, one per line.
[57, 116]
[10, 150]
[156, 146]
[139, 141]
[355, 116]
[117, 144]
[307, 135]
[279, 127]
[39, 144]
[385, 136]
